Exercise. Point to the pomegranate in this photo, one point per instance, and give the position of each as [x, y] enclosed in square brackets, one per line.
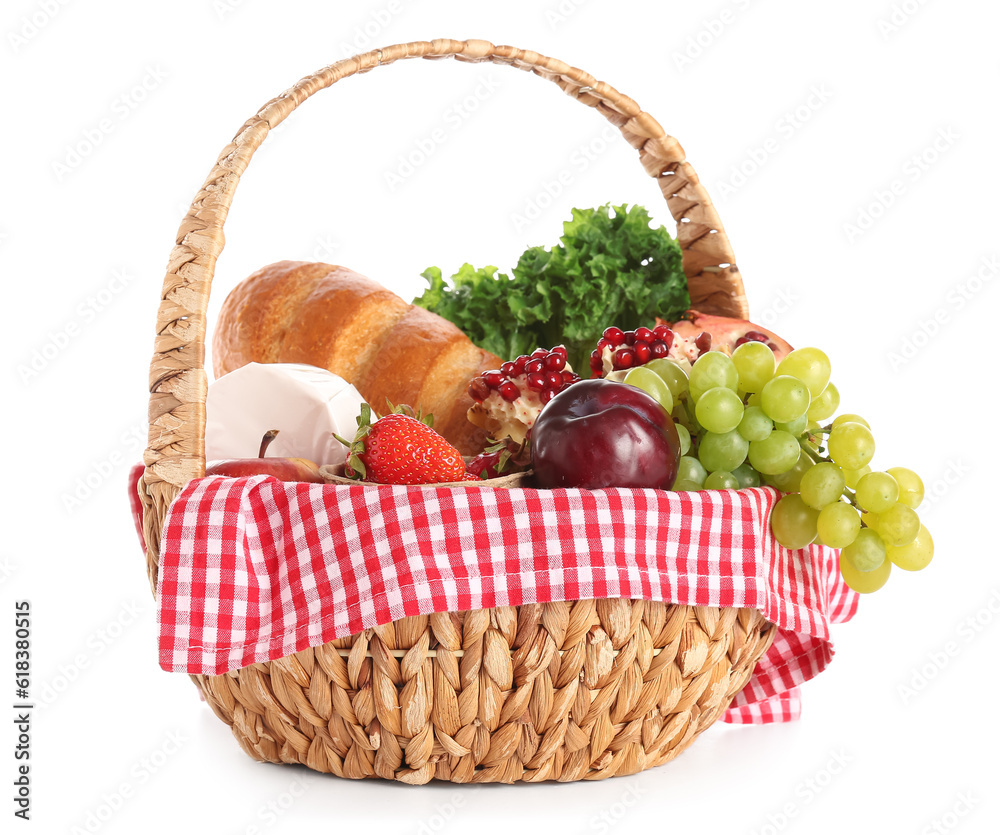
[507, 400]
[682, 341]
[727, 334]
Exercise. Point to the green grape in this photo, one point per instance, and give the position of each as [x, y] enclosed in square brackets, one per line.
[784, 398]
[710, 370]
[850, 418]
[793, 522]
[755, 425]
[911, 488]
[778, 452]
[898, 525]
[810, 365]
[754, 363]
[691, 469]
[673, 375]
[825, 404]
[876, 492]
[746, 476]
[790, 480]
[721, 480]
[684, 436]
[722, 451]
[864, 582]
[794, 427]
[683, 485]
[869, 520]
[867, 552]
[851, 445]
[719, 410]
[914, 556]
[651, 383]
[754, 399]
[852, 477]
[838, 524]
[822, 485]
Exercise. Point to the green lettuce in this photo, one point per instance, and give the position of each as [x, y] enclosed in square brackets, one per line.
[611, 267]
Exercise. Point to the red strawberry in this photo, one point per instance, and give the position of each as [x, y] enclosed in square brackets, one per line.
[400, 449]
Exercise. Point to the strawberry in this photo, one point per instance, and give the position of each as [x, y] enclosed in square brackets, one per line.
[400, 449]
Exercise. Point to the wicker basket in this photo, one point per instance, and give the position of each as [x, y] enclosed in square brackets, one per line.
[557, 691]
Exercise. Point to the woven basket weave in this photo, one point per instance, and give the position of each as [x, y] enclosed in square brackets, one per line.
[558, 691]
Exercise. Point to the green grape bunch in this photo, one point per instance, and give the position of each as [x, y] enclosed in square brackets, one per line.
[746, 420]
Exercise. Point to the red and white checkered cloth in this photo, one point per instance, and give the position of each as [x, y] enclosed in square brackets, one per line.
[254, 569]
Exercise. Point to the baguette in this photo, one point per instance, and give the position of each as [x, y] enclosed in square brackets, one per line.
[337, 319]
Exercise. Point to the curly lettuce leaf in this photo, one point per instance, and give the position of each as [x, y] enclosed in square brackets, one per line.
[610, 268]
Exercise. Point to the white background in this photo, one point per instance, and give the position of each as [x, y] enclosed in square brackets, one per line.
[844, 99]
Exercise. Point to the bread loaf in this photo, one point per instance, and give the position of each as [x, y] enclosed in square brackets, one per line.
[335, 318]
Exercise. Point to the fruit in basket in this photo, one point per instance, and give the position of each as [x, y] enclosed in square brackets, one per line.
[499, 459]
[727, 334]
[684, 342]
[507, 400]
[599, 433]
[748, 418]
[283, 469]
[401, 449]
[336, 319]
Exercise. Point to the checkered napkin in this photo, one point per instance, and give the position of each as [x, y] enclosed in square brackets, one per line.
[254, 569]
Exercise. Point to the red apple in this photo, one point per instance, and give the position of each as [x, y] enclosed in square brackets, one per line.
[283, 469]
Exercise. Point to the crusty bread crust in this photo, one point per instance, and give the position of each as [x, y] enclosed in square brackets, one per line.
[335, 318]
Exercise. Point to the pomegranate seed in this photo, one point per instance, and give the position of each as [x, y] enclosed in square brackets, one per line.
[756, 336]
[630, 337]
[493, 378]
[772, 346]
[658, 349]
[661, 331]
[643, 334]
[536, 381]
[539, 353]
[741, 341]
[478, 390]
[703, 341]
[519, 364]
[509, 391]
[615, 336]
[561, 350]
[555, 362]
[547, 395]
[508, 369]
[642, 352]
[596, 363]
[569, 377]
[554, 380]
[624, 358]
[534, 365]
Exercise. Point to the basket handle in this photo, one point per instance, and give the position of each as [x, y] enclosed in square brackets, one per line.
[177, 379]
